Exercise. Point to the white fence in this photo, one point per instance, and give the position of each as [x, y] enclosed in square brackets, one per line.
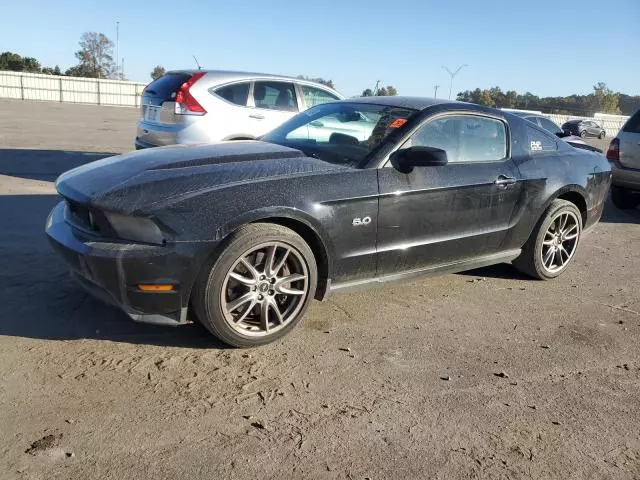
[53, 88]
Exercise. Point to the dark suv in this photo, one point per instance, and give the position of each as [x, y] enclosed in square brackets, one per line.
[584, 128]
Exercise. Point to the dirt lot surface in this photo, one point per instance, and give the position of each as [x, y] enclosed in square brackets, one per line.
[485, 374]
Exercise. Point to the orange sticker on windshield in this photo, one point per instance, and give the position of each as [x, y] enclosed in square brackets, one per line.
[398, 122]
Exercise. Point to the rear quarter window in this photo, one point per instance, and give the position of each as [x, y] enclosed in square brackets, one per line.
[236, 94]
[539, 141]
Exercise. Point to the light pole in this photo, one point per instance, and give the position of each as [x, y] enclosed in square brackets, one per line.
[452, 75]
[435, 91]
[117, 50]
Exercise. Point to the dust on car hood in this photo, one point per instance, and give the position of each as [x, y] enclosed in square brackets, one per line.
[159, 176]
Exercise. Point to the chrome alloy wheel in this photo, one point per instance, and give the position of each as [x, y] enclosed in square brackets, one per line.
[265, 289]
[560, 241]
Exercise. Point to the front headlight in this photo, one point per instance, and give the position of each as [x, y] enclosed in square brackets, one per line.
[137, 229]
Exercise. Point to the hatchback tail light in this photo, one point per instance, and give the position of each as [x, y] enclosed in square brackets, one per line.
[186, 104]
[613, 154]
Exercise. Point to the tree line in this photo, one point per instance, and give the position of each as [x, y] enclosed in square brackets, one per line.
[601, 100]
[95, 60]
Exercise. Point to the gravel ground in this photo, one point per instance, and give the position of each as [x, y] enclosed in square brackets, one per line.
[485, 374]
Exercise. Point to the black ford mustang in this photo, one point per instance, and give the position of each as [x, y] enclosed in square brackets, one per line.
[245, 234]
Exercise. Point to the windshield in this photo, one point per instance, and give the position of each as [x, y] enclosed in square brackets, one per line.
[343, 133]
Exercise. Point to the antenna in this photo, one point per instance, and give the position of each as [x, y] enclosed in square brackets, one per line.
[199, 67]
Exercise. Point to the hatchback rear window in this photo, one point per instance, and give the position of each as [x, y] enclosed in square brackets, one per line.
[166, 86]
[633, 124]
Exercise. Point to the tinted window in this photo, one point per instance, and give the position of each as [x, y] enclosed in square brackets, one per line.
[275, 96]
[539, 142]
[533, 120]
[237, 93]
[548, 125]
[465, 138]
[316, 96]
[633, 124]
[166, 86]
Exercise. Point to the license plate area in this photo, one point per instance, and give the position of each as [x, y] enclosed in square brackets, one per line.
[152, 113]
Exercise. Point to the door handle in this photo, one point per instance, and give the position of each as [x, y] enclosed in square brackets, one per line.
[503, 181]
[257, 116]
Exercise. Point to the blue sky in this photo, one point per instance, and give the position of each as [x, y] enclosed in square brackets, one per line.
[546, 47]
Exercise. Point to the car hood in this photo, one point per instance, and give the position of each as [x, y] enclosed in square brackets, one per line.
[160, 176]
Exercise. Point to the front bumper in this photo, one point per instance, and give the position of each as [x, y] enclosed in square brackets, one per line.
[112, 270]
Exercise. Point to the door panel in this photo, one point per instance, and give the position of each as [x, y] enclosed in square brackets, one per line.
[274, 103]
[437, 215]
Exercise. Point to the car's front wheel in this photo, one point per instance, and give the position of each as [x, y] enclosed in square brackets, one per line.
[259, 287]
[553, 243]
[624, 198]
[602, 135]
[583, 134]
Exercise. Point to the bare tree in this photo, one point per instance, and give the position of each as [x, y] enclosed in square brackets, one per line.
[95, 56]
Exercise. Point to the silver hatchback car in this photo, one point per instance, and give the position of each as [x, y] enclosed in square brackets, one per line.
[198, 106]
[624, 156]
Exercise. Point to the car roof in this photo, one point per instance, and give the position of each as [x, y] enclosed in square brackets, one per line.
[224, 76]
[575, 121]
[416, 103]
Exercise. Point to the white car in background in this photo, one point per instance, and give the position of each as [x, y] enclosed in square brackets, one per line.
[198, 106]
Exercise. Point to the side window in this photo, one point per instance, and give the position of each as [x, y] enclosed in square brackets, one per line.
[465, 138]
[237, 93]
[539, 142]
[275, 96]
[549, 126]
[315, 96]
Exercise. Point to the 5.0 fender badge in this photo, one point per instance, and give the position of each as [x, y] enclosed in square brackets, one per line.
[361, 221]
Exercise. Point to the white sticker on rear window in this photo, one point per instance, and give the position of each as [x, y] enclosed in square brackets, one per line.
[536, 146]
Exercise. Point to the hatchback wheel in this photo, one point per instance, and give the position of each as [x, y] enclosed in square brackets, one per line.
[259, 287]
[624, 198]
[553, 244]
[602, 135]
[583, 133]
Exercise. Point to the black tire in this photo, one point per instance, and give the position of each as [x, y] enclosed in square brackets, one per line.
[624, 198]
[602, 135]
[583, 134]
[206, 296]
[530, 260]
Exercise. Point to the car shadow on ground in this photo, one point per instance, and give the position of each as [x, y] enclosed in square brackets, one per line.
[38, 298]
[46, 165]
[612, 214]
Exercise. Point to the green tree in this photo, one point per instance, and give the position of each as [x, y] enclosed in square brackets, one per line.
[604, 100]
[52, 71]
[391, 91]
[16, 63]
[367, 93]
[157, 72]
[95, 57]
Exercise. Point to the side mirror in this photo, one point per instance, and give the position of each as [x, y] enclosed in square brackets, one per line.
[406, 159]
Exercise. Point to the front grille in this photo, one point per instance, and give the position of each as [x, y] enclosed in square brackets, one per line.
[82, 217]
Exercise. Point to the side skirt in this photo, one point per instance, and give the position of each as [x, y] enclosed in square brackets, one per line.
[461, 266]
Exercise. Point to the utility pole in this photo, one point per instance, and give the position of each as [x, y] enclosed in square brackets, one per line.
[117, 49]
[435, 91]
[375, 90]
[122, 69]
[452, 75]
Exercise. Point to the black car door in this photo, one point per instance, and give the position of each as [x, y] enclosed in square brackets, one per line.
[443, 214]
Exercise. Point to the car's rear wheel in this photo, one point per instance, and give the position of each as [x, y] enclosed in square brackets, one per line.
[602, 135]
[553, 243]
[259, 287]
[624, 199]
[583, 133]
